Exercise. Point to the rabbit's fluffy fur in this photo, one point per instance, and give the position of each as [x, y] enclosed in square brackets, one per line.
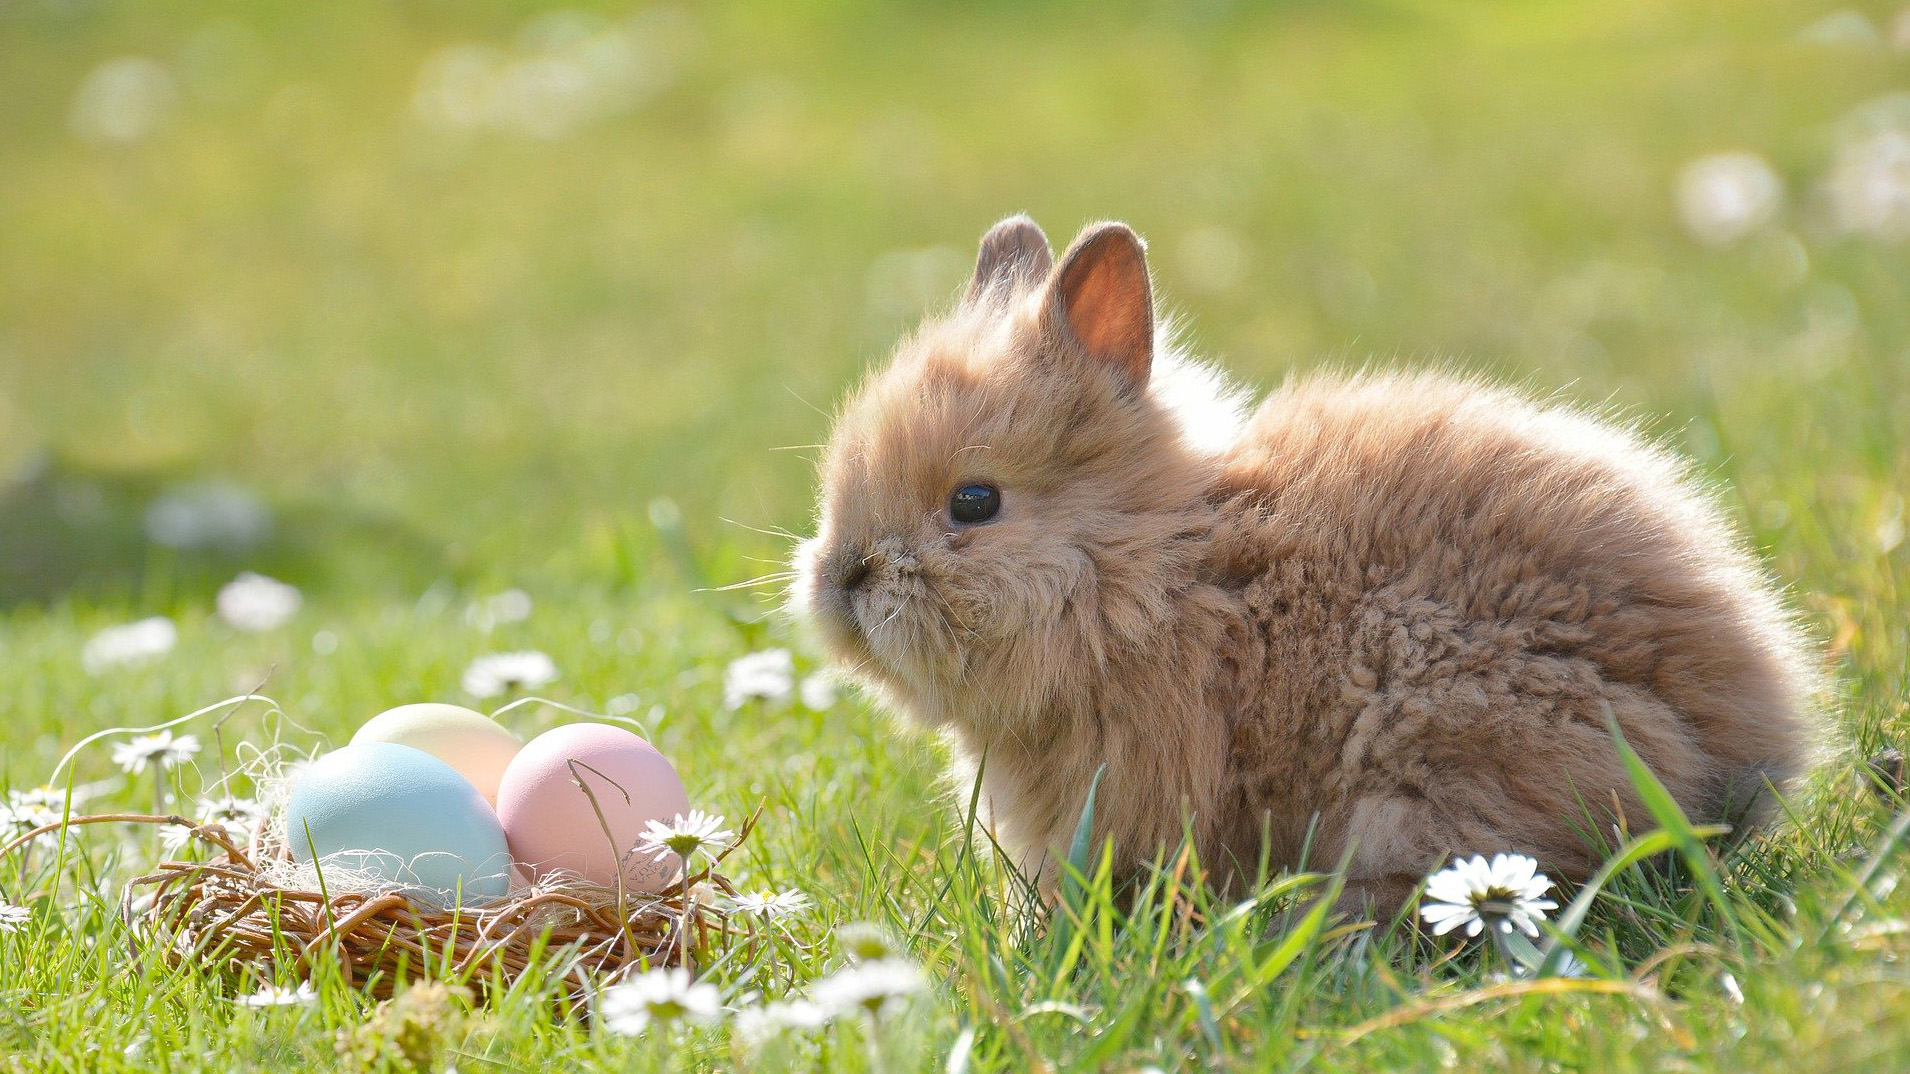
[1387, 614]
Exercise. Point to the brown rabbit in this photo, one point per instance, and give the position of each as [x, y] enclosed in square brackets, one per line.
[1394, 608]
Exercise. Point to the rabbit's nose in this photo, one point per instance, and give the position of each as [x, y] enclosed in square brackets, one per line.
[853, 567]
[852, 571]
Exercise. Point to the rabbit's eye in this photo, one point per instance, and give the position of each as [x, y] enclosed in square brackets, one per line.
[971, 504]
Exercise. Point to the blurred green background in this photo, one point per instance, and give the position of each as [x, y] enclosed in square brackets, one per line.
[434, 308]
[425, 291]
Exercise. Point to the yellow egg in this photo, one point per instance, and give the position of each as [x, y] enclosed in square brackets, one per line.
[474, 745]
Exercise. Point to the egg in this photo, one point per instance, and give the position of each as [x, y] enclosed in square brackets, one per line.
[402, 816]
[554, 827]
[477, 746]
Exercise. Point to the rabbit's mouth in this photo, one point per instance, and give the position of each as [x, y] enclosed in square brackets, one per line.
[824, 596]
[875, 611]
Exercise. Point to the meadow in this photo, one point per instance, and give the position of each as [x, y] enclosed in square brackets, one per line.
[503, 327]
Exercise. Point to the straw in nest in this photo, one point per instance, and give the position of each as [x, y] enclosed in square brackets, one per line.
[237, 913]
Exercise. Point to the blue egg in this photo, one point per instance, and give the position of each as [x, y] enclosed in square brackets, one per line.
[402, 816]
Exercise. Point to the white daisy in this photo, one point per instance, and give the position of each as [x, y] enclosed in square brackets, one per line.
[1869, 183]
[1732, 991]
[130, 643]
[756, 1026]
[663, 996]
[874, 986]
[510, 606]
[819, 692]
[255, 603]
[160, 750]
[47, 796]
[124, 100]
[683, 838]
[1570, 966]
[209, 515]
[1726, 196]
[1573, 967]
[240, 817]
[175, 837]
[13, 918]
[28, 810]
[35, 808]
[771, 905]
[501, 673]
[1506, 893]
[865, 941]
[275, 996]
[766, 676]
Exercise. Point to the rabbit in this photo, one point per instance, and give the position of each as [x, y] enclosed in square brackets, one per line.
[1381, 620]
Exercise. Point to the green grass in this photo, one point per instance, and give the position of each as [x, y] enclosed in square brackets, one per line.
[454, 363]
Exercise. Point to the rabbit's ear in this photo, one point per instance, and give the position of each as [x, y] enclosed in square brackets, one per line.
[1014, 258]
[1100, 295]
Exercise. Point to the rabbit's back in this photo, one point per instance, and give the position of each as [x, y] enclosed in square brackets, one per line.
[1443, 586]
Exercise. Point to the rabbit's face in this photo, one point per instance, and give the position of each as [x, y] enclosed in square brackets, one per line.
[999, 506]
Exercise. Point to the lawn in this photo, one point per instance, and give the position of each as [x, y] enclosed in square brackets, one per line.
[411, 305]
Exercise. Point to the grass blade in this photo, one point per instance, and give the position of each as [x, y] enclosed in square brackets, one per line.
[1084, 828]
[1074, 882]
[1687, 838]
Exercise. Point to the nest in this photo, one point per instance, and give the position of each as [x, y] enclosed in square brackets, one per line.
[237, 913]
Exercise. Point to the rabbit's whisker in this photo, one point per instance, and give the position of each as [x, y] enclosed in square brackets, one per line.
[771, 532]
[798, 397]
[767, 579]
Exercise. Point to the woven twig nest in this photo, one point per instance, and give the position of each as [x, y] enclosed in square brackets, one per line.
[236, 913]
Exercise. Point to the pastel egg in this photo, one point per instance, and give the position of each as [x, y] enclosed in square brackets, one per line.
[556, 829]
[402, 816]
[477, 746]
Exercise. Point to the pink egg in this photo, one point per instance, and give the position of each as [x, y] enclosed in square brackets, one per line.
[551, 823]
